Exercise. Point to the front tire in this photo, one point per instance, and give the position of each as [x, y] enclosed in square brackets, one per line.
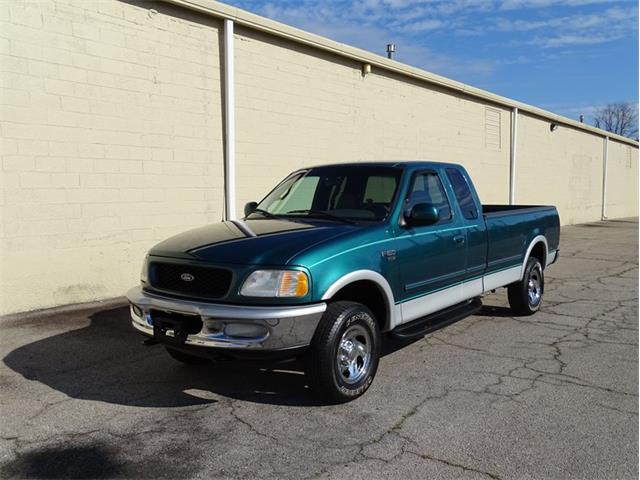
[525, 296]
[343, 356]
[186, 358]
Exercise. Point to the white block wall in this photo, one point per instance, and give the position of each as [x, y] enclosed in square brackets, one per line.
[111, 130]
[111, 137]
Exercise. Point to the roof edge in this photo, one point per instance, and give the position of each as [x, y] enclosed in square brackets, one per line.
[257, 22]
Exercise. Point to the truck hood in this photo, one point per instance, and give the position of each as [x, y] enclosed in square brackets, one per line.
[250, 242]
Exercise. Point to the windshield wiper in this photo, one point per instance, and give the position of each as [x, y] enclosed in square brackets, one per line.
[264, 213]
[324, 214]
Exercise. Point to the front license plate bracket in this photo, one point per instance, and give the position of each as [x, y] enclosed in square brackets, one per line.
[173, 328]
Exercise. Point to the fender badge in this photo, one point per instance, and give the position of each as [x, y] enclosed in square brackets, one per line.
[389, 254]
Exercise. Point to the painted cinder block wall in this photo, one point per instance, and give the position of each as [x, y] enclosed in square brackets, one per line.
[622, 181]
[561, 168]
[565, 168]
[111, 131]
[297, 106]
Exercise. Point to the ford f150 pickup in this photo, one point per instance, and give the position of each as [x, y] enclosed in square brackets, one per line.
[333, 259]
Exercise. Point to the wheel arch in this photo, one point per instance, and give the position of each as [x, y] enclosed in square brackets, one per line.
[538, 248]
[361, 278]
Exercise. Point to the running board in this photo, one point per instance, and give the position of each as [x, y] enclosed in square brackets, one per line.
[422, 326]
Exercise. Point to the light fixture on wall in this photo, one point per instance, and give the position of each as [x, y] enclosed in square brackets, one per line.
[366, 69]
[553, 127]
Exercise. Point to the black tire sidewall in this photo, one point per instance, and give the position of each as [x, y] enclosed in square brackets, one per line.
[363, 317]
[532, 263]
[325, 349]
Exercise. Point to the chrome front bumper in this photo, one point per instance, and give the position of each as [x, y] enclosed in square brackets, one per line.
[232, 326]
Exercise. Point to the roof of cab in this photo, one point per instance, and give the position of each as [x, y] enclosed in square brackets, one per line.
[389, 163]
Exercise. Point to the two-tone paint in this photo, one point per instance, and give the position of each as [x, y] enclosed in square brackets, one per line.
[416, 270]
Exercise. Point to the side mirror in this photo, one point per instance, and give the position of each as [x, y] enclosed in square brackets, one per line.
[422, 214]
[249, 208]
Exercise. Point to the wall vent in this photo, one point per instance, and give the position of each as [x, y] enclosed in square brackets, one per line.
[492, 128]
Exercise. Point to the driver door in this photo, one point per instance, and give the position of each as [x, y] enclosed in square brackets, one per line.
[432, 258]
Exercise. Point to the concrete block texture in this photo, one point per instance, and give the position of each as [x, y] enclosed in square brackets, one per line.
[112, 128]
[111, 134]
[298, 107]
[622, 181]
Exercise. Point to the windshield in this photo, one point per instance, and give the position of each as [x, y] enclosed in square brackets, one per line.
[351, 193]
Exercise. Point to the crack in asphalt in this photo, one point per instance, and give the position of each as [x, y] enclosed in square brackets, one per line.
[580, 313]
[466, 468]
[252, 428]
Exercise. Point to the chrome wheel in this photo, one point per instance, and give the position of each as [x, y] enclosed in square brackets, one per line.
[354, 354]
[534, 287]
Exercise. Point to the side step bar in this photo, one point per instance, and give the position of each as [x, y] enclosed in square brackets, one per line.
[435, 321]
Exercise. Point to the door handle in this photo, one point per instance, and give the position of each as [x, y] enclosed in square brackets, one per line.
[459, 239]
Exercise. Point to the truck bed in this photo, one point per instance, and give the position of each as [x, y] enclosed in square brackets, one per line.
[493, 210]
[510, 229]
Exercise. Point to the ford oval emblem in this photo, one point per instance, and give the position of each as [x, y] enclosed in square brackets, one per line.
[187, 277]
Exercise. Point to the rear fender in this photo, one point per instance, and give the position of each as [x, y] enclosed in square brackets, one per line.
[537, 239]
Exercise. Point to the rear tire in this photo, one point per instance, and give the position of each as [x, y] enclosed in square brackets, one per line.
[525, 297]
[343, 356]
[187, 358]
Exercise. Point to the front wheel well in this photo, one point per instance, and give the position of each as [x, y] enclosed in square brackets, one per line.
[370, 295]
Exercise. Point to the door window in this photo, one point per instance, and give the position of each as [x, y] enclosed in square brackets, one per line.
[427, 188]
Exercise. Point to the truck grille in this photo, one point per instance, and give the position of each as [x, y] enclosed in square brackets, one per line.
[208, 282]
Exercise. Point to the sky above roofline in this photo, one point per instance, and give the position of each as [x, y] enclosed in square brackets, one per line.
[567, 56]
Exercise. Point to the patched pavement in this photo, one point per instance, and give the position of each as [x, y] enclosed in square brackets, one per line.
[493, 396]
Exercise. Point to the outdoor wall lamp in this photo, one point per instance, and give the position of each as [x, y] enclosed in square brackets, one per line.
[553, 127]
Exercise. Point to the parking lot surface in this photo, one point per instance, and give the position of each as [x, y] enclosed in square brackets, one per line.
[492, 396]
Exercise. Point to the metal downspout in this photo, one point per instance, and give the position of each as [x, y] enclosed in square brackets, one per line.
[512, 157]
[230, 124]
[605, 161]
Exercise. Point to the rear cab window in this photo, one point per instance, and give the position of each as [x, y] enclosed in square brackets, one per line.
[463, 194]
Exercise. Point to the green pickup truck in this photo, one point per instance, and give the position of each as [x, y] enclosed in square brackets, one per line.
[335, 258]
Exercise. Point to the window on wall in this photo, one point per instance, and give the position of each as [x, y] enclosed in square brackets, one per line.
[427, 188]
[463, 194]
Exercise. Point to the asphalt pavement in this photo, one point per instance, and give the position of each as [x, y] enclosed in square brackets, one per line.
[554, 395]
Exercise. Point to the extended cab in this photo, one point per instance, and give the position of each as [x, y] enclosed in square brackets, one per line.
[335, 257]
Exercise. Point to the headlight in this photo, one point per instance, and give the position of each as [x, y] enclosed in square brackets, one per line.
[144, 273]
[276, 283]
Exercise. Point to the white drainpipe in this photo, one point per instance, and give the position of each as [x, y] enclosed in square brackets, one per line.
[605, 160]
[230, 123]
[512, 157]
